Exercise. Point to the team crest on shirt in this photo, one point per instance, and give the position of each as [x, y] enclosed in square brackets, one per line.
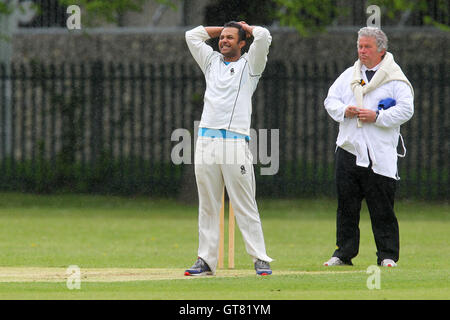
[232, 71]
[243, 171]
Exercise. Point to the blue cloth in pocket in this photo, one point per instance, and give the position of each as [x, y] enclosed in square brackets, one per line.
[386, 103]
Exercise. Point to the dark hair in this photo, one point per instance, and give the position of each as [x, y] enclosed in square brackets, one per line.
[241, 31]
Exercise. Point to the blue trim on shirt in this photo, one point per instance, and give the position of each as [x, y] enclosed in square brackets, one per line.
[221, 133]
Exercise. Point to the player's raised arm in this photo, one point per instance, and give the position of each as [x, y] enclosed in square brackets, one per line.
[259, 49]
[195, 40]
[214, 32]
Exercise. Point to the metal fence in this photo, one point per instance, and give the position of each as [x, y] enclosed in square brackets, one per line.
[107, 128]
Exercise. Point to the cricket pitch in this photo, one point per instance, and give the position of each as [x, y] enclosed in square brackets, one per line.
[40, 274]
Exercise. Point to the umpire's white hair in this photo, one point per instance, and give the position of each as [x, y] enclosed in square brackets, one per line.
[380, 37]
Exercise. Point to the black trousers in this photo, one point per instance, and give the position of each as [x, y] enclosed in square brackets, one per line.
[355, 183]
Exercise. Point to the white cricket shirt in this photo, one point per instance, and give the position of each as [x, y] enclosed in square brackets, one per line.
[229, 88]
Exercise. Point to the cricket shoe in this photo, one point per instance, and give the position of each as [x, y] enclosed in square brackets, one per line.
[200, 268]
[335, 261]
[262, 268]
[388, 263]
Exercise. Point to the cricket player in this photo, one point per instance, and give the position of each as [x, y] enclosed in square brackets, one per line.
[222, 155]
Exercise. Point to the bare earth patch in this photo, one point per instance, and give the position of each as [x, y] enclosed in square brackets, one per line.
[38, 274]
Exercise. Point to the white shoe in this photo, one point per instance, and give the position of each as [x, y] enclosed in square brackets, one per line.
[388, 263]
[334, 261]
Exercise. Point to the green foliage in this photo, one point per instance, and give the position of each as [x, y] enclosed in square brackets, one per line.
[307, 16]
[430, 21]
[4, 11]
[112, 10]
[4, 8]
[393, 8]
[8, 8]
[173, 4]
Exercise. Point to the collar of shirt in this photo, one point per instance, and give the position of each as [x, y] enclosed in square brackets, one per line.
[364, 68]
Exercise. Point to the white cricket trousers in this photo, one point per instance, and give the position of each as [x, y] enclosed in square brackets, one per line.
[228, 162]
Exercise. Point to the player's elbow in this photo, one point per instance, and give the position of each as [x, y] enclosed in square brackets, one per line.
[265, 34]
[190, 35]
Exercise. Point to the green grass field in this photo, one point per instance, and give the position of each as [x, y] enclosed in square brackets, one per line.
[137, 248]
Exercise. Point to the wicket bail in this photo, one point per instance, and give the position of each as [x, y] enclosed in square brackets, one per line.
[231, 227]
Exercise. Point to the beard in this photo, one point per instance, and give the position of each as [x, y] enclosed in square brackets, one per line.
[231, 53]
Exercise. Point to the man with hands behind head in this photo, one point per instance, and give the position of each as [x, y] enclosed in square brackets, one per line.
[231, 78]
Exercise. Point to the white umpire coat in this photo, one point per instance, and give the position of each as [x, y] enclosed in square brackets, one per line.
[377, 140]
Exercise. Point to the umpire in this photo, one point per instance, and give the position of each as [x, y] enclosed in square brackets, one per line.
[370, 100]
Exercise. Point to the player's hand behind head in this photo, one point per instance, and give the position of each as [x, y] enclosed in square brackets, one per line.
[245, 26]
